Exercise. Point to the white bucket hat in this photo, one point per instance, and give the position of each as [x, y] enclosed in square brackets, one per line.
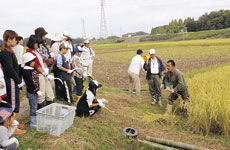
[152, 51]
[66, 33]
[27, 57]
[58, 37]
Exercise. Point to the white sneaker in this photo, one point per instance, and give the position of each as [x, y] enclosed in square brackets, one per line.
[160, 103]
[154, 102]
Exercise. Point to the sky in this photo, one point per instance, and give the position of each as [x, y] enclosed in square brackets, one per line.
[122, 16]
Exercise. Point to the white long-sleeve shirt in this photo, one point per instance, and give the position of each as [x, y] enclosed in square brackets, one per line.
[18, 50]
[136, 64]
[87, 55]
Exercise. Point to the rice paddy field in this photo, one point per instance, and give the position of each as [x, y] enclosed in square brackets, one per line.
[206, 66]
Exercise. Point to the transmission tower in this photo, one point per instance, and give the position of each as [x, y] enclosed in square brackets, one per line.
[103, 27]
[83, 29]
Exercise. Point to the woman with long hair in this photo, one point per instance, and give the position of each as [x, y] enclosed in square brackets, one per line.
[11, 72]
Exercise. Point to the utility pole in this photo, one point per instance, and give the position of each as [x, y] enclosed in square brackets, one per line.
[83, 29]
[103, 27]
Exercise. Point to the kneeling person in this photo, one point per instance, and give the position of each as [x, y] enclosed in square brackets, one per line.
[88, 104]
[179, 86]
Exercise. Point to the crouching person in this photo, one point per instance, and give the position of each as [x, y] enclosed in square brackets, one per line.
[61, 68]
[88, 104]
[7, 127]
[179, 86]
[31, 79]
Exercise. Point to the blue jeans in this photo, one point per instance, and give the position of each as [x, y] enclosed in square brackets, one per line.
[33, 101]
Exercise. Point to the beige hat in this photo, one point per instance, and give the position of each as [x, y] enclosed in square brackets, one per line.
[152, 51]
[58, 37]
[63, 45]
[86, 41]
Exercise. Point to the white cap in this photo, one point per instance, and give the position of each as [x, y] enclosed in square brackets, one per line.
[65, 33]
[86, 41]
[152, 51]
[27, 57]
[58, 37]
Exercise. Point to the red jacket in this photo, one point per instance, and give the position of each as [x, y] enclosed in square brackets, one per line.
[37, 63]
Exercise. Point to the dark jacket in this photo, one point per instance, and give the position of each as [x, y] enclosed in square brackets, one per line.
[62, 74]
[148, 68]
[31, 79]
[9, 63]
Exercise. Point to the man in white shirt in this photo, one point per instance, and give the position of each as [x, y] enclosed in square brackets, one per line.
[67, 41]
[134, 71]
[154, 68]
[88, 56]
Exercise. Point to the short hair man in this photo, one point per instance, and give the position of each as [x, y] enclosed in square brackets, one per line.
[134, 71]
[154, 68]
[179, 86]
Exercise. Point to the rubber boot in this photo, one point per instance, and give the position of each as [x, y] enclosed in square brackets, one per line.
[48, 102]
[168, 110]
[33, 123]
[18, 131]
[43, 104]
[154, 100]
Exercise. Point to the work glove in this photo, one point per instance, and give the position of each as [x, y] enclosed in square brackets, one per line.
[70, 71]
[172, 90]
[162, 86]
[84, 75]
[46, 70]
[21, 85]
[45, 73]
[50, 77]
[39, 93]
[104, 101]
[52, 55]
[101, 104]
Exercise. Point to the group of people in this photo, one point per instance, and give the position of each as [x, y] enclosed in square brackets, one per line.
[35, 68]
[172, 79]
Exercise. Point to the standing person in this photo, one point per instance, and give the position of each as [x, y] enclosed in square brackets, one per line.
[44, 84]
[31, 79]
[88, 104]
[57, 39]
[19, 50]
[67, 41]
[154, 68]
[2, 80]
[11, 73]
[134, 71]
[88, 57]
[64, 73]
[80, 72]
[179, 86]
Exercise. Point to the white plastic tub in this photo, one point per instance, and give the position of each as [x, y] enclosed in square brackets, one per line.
[55, 118]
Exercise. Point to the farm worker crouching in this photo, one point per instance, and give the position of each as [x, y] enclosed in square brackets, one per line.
[179, 86]
[7, 127]
[80, 71]
[30, 76]
[13, 82]
[155, 69]
[61, 69]
[88, 57]
[134, 71]
[47, 95]
[88, 104]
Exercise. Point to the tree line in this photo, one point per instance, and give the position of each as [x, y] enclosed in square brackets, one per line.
[209, 21]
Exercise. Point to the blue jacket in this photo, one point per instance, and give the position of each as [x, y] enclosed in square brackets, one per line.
[148, 68]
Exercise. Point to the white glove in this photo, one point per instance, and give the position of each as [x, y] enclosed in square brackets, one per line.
[101, 104]
[50, 77]
[21, 85]
[39, 93]
[70, 71]
[168, 88]
[52, 55]
[45, 73]
[84, 75]
[172, 90]
[46, 70]
[104, 101]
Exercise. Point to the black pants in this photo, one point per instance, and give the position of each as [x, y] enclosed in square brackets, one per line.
[79, 84]
[68, 89]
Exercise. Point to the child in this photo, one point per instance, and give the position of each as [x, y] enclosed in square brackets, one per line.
[31, 79]
[80, 72]
[7, 127]
[62, 71]
[88, 104]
